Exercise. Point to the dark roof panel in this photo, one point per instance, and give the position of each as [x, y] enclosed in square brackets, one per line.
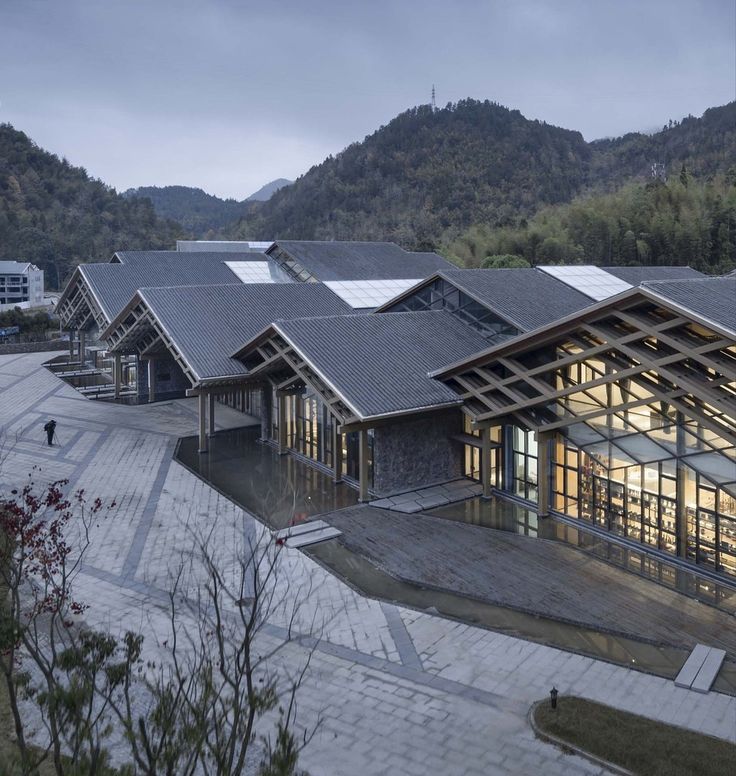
[379, 363]
[713, 299]
[114, 284]
[174, 259]
[638, 275]
[335, 260]
[527, 298]
[208, 323]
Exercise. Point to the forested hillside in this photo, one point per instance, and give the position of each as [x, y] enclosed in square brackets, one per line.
[428, 176]
[199, 213]
[56, 216]
[203, 215]
[426, 172]
[682, 221]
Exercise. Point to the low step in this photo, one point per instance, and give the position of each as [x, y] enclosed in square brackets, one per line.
[313, 537]
[300, 528]
[692, 665]
[701, 668]
[708, 671]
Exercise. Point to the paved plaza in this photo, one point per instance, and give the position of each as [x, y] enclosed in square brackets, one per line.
[398, 691]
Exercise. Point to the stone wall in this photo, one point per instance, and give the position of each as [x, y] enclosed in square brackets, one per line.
[171, 382]
[417, 451]
[11, 348]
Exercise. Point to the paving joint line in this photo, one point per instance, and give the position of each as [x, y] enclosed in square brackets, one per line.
[401, 636]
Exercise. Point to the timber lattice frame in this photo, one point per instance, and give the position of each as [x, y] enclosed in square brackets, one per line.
[78, 308]
[139, 332]
[679, 362]
[275, 356]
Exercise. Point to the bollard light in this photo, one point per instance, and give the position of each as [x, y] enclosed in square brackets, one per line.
[553, 697]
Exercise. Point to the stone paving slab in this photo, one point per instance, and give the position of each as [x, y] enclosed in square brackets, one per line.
[399, 691]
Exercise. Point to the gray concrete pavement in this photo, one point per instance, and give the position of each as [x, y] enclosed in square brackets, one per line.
[399, 691]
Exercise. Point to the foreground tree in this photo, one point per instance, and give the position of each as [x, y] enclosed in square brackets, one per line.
[203, 701]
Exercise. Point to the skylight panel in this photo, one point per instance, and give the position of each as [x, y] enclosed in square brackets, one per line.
[592, 281]
[364, 294]
[256, 272]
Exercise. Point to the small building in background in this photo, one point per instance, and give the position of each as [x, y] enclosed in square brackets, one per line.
[21, 285]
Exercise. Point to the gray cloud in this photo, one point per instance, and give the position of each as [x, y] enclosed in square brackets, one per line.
[227, 95]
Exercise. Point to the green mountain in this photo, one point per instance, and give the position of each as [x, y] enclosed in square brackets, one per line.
[202, 214]
[56, 215]
[197, 211]
[429, 175]
[266, 192]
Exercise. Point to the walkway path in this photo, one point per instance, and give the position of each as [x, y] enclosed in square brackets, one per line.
[399, 691]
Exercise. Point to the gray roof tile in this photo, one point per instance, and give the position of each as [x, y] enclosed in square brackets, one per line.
[527, 298]
[379, 363]
[209, 323]
[114, 284]
[336, 260]
[638, 275]
[711, 298]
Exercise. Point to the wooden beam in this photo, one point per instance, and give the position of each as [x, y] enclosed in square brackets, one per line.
[202, 407]
[543, 472]
[211, 412]
[117, 369]
[283, 442]
[485, 461]
[363, 465]
[336, 453]
[151, 380]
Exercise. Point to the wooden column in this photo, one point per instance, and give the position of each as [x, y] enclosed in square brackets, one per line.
[485, 461]
[211, 398]
[283, 449]
[336, 452]
[543, 472]
[82, 346]
[681, 489]
[71, 345]
[117, 369]
[363, 464]
[202, 406]
[151, 380]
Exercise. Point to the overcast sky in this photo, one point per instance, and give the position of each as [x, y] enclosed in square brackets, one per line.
[229, 94]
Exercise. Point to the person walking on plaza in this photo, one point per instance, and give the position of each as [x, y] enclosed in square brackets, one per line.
[50, 429]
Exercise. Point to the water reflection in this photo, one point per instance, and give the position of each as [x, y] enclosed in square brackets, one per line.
[504, 515]
[278, 488]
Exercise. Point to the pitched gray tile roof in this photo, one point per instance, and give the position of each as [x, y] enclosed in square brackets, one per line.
[114, 284]
[711, 298]
[638, 275]
[208, 323]
[527, 298]
[335, 260]
[174, 259]
[379, 363]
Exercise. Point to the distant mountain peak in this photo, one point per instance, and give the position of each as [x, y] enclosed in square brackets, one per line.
[266, 192]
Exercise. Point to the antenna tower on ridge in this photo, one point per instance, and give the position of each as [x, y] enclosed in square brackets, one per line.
[434, 104]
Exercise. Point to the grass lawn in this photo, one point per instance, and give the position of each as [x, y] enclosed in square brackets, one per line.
[635, 743]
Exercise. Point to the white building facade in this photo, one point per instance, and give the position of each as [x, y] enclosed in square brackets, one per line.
[21, 285]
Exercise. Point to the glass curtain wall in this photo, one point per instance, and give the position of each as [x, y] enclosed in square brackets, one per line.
[309, 432]
[472, 454]
[647, 472]
[442, 295]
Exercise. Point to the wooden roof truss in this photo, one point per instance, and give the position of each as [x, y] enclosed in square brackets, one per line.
[673, 361]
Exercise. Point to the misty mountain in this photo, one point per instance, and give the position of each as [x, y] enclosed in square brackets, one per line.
[266, 192]
[430, 174]
[55, 215]
[200, 213]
